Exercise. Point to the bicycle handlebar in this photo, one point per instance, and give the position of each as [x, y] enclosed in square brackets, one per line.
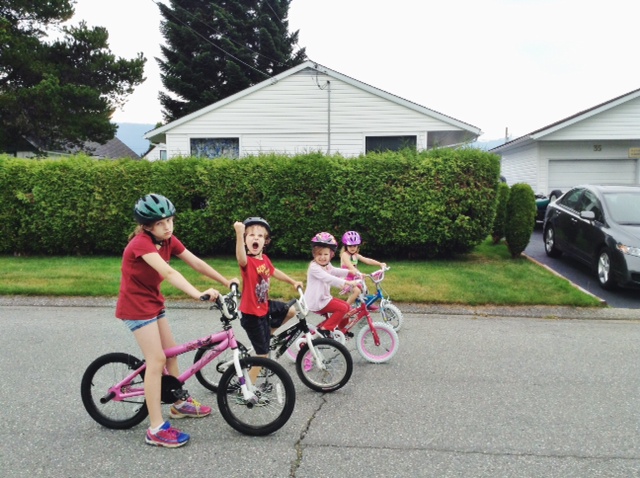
[302, 303]
[227, 304]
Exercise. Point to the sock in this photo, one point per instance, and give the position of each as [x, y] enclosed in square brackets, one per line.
[155, 430]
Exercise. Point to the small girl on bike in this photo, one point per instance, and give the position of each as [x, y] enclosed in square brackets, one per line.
[321, 276]
[140, 305]
[349, 258]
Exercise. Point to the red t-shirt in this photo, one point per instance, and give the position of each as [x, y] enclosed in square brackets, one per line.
[255, 285]
[140, 296]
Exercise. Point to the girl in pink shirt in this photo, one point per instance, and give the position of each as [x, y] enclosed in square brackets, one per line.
[321, 276]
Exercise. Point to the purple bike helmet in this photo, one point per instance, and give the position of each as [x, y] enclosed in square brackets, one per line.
[351, 238]
[324, 239]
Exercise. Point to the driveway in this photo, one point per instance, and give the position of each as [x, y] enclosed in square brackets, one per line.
[581, 275]
[482, 397]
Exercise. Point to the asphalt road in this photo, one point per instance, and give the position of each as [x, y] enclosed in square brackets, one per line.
[581, 275]
[466, 396]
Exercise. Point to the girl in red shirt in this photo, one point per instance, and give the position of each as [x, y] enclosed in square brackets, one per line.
[145, 264]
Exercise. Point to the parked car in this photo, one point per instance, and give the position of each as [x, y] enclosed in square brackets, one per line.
[600, 226]
[543, 201]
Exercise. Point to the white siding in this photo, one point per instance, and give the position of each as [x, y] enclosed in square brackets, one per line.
[302, 113]
[521, 166]
[621, 122]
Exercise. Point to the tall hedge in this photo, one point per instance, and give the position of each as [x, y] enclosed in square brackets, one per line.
[498, 230]
[521, 214]
[405, 204]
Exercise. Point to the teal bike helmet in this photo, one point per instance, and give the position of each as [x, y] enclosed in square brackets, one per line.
[152, 208]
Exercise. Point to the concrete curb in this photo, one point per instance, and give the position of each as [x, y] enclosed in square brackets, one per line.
[545, 312]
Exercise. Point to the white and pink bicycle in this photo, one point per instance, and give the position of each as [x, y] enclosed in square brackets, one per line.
[112, 387]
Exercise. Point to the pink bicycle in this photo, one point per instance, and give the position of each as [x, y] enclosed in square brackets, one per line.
[112, 387]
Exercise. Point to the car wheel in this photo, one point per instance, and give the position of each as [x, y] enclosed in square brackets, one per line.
[603, 267]
[550, 243]
[555, 194]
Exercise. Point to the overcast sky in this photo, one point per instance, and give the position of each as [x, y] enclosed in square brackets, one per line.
[495, 64]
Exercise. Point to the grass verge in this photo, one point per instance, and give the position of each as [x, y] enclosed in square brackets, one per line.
[487, 276]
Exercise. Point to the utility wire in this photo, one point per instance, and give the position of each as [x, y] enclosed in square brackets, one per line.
[189, 27]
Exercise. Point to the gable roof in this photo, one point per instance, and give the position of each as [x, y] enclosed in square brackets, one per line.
[573, 119]
[331, 73]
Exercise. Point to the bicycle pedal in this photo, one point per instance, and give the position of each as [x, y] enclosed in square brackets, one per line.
[349, 334]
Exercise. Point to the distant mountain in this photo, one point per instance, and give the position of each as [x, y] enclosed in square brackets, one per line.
[132, 134]
[488, 144]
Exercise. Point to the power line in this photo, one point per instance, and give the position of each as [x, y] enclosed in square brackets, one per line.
[208, 25]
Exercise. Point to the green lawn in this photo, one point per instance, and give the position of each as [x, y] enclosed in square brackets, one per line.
[486, 276]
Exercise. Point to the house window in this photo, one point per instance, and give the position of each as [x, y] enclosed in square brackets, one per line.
[390, 143]
[163, 154]
[215, 148]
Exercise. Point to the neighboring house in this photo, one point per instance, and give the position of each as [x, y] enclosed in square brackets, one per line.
[157, 152]
[305, 109]
[112, 149]
[600, 145]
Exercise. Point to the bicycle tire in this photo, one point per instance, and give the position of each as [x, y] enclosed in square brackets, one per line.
[377, 353]
[209, 375]
[392, 315]
[102, 374]
[276, 392]
[335, 357]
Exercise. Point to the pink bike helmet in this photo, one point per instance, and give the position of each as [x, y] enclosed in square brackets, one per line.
[324, 239]
[351, 238]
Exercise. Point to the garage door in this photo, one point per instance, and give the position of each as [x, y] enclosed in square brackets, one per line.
[565, 174]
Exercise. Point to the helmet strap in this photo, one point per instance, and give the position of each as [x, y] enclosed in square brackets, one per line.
[153, 238]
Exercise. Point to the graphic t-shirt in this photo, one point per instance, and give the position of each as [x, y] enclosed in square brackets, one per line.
[139, 297]
[255, 285]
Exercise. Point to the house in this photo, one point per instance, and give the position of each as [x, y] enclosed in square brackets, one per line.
[112, 149]
[600, 145]
[309, 108]
[157, 152]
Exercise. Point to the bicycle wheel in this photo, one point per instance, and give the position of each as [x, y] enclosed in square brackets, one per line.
[392, 315]
[336, 359]
[104, 373]
[209, 375]
[276, 398]
[377, 353]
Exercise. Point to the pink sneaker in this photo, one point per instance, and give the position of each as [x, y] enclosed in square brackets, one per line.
[190, 408]
[167, 436]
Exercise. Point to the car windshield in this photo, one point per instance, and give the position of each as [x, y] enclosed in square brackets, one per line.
[624, 207]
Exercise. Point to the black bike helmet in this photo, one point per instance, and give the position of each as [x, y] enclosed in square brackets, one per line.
[152, 208]
[253, 221]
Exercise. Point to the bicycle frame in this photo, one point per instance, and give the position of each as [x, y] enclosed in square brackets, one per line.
[222, 340]
[287, 337]
[370, 299]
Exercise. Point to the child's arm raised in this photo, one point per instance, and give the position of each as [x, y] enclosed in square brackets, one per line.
[241, 252]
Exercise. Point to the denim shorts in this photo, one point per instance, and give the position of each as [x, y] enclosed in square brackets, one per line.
[134, 325]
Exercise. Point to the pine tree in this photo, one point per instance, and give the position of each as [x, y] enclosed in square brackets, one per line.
[58, 94]
[216, 48]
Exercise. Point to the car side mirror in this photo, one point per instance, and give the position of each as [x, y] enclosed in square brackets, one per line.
[590, 215]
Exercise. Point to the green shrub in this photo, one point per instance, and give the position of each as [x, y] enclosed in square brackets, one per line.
[405, 204]
[497, 232]
[521, 213]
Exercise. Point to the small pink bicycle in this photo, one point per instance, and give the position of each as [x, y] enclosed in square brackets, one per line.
[112, 387]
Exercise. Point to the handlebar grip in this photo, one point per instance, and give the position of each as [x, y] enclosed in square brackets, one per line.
[205, 297]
